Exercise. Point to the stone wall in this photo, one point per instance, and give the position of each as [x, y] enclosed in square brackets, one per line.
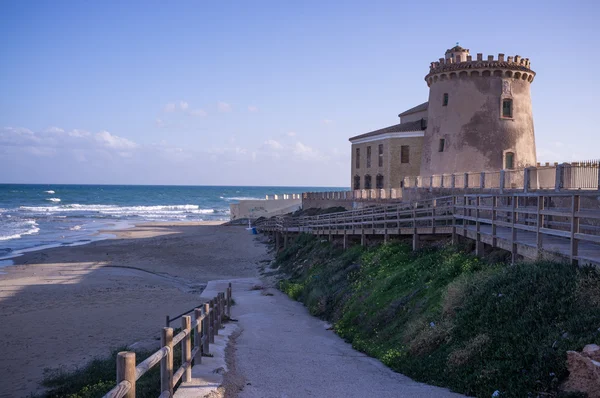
[254, 209]
[475, 133]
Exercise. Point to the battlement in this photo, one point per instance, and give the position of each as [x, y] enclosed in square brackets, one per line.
[511, 66]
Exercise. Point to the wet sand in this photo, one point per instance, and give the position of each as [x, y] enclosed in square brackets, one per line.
[62, 307]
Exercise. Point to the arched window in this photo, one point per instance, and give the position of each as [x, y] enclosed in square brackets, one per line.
[509, 160]
[356, 182]
[368, 182]
[379, 181]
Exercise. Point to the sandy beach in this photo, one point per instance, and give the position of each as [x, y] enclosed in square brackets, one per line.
[62, 307]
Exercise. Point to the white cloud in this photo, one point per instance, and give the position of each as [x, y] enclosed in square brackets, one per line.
[54, 130]
[183, 105]
[170, 107]
[223, 107]
[78, 133]
[305, 152]
[327, 121]
[252, 108]
[113, 141]
[274, 145]
[291, 134]
[198, 112]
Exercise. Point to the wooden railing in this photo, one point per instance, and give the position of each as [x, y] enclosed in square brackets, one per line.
[525, 219]
[207, 322]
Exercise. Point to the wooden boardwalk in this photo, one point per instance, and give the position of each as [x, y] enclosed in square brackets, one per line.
[541, 225]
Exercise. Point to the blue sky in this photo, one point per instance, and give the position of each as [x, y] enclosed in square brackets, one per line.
[261, 92]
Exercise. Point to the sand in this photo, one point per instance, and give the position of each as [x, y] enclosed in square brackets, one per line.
[62, 307]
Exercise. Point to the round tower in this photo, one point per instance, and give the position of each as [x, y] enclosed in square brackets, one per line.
[479, 114]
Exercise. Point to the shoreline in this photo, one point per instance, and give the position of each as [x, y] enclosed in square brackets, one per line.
[120, 231]
[92, 298]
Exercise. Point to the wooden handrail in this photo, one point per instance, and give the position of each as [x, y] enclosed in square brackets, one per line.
[206, 323]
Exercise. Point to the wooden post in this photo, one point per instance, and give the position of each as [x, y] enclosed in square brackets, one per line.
[513, 234]
[526, 178]
[478, 243]
[494, 218]
[539, 224]
[198, 335]
[482, 180]
[206, 329]
[186, 347]
[454, 237]
[574, 229]
[502, 180]
[230, 295]
[166, 363]
[433, 220]
[217, 307]
[126, 371]
[212, 322]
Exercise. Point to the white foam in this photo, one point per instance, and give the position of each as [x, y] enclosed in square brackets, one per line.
[75, 228]
[243, 198]
[32, 229]
[53, 199]
[50, 192]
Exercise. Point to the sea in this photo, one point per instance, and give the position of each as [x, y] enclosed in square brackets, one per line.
[34, 217]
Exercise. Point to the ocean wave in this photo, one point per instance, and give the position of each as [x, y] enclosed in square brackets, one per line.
[53, 199]
[50, 192]
[32, 228]
[242, 198]
[75, 228]
[158, 211]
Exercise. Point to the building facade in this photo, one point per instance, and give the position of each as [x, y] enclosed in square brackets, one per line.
[478, 118]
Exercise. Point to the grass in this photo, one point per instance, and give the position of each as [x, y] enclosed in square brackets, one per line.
[96, 378]
[447, 318]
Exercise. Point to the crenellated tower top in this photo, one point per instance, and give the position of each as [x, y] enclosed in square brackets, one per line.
[458, 63]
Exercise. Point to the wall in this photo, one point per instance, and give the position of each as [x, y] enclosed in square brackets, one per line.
[393, 170]
[413, 117]
[475, 133]
[263, 208]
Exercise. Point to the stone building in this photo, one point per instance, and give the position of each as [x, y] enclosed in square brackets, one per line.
[478, 118]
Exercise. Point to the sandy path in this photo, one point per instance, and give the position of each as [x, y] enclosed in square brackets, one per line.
[64, 306]
[282, 351]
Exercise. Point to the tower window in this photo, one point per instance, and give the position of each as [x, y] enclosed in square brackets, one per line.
[367, 182]
[404, 154]
[356, 182]
[442, 145]
[509, 161]
[380, 155]
[445, 103]
[507, 108]
[379, 181]
[368, 156]
[357, 158]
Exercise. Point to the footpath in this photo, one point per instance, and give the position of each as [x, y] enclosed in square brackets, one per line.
[277, 349]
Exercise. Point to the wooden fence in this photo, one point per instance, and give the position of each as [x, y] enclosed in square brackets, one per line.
[206, 324]
[567, 224]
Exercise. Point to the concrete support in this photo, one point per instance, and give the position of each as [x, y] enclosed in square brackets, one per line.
[285, 240]
[363, 239]
[526, 178]
[346, 241]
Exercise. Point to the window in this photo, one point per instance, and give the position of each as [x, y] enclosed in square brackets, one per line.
[368, 156]
[509, 161]
[404, 151]
[442, 145]
[379, 181]
[367, 182]
[380, 155]
[507, 109]
[445, 103]
[356, 182]
[357, 158]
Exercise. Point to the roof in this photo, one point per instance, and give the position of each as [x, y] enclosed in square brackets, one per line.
[456, 48]
[418, 108]
[417, 125]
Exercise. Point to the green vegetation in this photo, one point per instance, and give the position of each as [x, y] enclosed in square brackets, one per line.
[447, 318]
[98, 377]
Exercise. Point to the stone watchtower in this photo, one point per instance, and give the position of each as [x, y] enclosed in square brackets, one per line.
[479, 114]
